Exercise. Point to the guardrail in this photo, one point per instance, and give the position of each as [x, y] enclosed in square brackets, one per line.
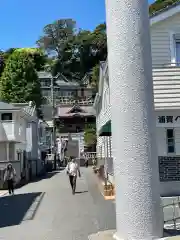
[68, 101]
[90, 155]
[171, 210]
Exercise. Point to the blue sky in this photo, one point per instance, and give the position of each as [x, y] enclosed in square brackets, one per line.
[22, 21]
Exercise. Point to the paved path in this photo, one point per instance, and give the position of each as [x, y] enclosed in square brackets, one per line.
[46, 209]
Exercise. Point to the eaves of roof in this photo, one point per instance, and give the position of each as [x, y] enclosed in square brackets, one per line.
[166, 8]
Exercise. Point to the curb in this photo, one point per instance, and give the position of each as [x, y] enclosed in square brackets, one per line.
[38, 204]
[3, 194]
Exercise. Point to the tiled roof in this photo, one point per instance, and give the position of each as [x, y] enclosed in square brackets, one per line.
[63, 83]
[65, 111]
[61, 79]
[18, 106]
[26, 107]
[8, 106]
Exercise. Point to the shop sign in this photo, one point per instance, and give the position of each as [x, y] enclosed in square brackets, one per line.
[168, 119]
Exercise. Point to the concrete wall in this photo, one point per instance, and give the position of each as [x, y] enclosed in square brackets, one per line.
[3, 151]
[170, 188]
[103, 108]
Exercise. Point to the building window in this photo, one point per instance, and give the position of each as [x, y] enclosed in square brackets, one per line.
[46, 83]
[19, 156]
[6, 116]
[46, 92]
[48, 140]
[69, 94]
[40, 133]
[178, 52]
[170, 140]
[175, 48]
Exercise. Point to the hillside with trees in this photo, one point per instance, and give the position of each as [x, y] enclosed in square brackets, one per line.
[74, 52]
[65, 49]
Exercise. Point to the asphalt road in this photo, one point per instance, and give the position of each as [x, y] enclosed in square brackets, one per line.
[46, 209]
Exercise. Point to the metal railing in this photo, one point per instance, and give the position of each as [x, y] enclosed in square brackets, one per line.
[171, 210]
[90, 155]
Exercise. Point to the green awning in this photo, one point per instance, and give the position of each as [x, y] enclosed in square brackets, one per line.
[105, 129]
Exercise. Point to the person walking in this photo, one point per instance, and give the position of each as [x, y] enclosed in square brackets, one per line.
[9, 177]
[86, 163]
[73, 170]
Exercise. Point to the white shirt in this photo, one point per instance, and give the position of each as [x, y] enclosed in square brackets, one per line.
[73, 168]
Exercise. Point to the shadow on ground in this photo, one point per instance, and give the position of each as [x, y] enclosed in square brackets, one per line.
[15, 209]
[79, 192]
[47, 175]
[171, 232]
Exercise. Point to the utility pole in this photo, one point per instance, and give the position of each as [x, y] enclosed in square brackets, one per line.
[138, 211]
[53, 144]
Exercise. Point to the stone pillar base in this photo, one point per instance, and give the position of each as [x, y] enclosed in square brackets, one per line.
[104, 235]
[111, 235]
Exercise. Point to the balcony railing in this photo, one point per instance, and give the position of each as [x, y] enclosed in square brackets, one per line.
[90, 155]
[69, 101]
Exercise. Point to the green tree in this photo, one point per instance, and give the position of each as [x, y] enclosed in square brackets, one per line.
[91, 48]
[56, 41]
[73, 52]
[3, 58]
[19, 81]
[100, 42]
[56, 35]
[2, 62]
[95, 77]
[90, 134]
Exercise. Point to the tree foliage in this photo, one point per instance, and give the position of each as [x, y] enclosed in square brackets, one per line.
[56, 35]
[56, 40]
[19, 81]
[3, 58]
[74, 51]
[95, 77]
[160, 4]
[90, 134]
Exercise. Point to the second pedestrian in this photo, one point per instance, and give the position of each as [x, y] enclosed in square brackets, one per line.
[73, 170]
[9, 177]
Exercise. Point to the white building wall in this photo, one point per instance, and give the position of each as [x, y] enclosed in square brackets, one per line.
[104, 107]
[160, 39]
[168, 187]
[166, 84]
[3, 151]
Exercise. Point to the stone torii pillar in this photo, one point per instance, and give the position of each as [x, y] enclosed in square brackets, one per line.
[138, 212]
